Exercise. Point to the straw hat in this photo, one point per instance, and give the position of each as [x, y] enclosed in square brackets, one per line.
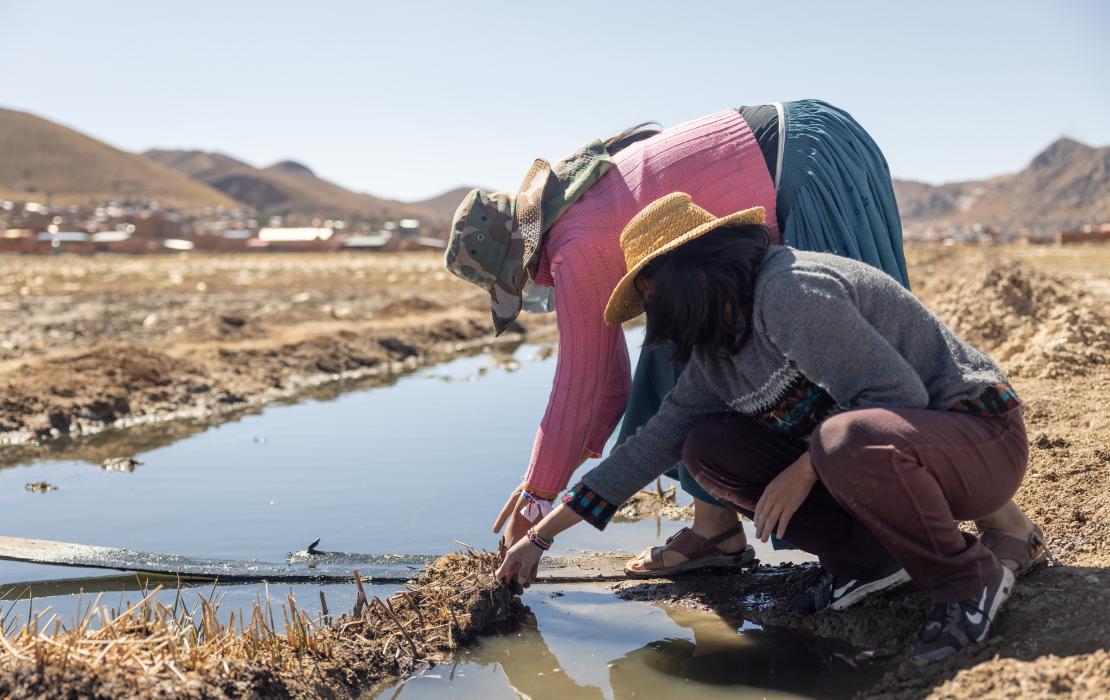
[662, 226]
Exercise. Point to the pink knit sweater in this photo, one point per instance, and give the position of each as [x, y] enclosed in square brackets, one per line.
[717, 162]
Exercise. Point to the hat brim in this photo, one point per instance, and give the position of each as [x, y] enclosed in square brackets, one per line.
[626, 303]
[505, 307]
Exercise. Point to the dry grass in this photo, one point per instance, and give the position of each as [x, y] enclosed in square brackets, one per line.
[274, 649]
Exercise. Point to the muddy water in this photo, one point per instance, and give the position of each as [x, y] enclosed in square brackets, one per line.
[580, 642]
[406, 468]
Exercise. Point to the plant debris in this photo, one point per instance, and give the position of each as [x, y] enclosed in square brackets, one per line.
[172, 651]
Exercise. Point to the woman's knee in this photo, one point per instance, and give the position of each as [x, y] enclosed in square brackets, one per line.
[843, 439]
[706, 445]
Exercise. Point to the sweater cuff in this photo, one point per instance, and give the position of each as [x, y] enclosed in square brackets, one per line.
[593, 508]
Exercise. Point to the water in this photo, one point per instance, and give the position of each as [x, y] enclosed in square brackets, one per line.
[582, 643]
[406, 468]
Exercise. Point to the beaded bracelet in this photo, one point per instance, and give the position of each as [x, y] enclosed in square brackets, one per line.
[539, 540]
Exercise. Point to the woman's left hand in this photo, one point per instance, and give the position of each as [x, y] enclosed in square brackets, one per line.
[521, 563]
[782, 497]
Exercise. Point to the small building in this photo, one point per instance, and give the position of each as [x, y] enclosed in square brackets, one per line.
[376, 242]
[302, 234]
[423, 243]
[303, 239]
[65, 242]
[19, 240]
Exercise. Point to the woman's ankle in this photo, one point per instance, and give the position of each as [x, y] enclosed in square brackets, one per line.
[710, 521]
[1009, 519]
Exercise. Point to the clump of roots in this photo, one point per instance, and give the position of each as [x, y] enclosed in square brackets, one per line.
[156, 649]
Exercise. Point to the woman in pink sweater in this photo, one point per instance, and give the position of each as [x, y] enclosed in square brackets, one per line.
[824, 185]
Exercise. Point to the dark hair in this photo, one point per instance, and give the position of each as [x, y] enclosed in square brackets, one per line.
[629, 136]
[702, 293]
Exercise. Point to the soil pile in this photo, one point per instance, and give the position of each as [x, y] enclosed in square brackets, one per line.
[1034, 324]
[155, 650]
[94, 388]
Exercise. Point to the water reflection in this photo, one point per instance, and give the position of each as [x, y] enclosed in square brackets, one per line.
[583, 643]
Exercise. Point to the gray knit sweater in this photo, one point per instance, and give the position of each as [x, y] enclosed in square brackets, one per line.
[842, 324]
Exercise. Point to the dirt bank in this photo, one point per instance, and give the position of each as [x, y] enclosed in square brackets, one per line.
[95, 343]
[151, 650]
[1041, 313]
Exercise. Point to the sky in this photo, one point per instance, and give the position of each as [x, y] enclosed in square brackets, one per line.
[407, 98]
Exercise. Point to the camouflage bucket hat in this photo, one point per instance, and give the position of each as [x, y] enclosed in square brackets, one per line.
[496, 237]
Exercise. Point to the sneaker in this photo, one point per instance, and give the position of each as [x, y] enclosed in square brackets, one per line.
[953, 626]
[840, 593]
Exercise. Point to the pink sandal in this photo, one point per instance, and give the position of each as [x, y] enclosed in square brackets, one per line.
[701, 554]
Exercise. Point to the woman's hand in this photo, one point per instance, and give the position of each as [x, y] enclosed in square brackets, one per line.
[782, 497]
[521, 564]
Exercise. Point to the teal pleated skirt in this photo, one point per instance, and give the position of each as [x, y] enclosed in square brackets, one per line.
[835, 195]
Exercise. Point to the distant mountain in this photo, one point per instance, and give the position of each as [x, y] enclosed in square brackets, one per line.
[1066, 185]
[41, 160]
[287, 188]
[444, 205]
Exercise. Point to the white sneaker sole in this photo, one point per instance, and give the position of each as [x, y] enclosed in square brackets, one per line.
[898, 578]
[1004, 592]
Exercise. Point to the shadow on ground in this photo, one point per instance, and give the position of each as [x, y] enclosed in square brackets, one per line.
[1062, 611]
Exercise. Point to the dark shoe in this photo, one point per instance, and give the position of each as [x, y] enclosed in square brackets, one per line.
[838, 593]
[953, 626]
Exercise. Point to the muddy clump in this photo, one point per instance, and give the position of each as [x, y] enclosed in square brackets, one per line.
[1034, 324]
[653, 504]
[155, 650]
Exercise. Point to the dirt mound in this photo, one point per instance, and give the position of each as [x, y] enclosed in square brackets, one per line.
[94, 387]
[1033, 324]
[407, 306]
[1082, 676]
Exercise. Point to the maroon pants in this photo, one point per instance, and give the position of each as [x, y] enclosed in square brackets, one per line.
[893, 482]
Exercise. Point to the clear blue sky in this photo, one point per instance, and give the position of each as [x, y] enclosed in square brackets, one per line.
[408, 98]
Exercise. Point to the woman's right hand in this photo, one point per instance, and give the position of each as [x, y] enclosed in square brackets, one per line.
[520, 565]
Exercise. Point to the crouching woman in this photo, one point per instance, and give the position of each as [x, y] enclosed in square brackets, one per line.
[824, 401]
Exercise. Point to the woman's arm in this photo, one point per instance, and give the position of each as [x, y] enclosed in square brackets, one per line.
[618, 388]
[589, 353]
[651, 451]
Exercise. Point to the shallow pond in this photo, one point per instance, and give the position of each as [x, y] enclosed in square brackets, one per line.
[581, 643]
[406, 468]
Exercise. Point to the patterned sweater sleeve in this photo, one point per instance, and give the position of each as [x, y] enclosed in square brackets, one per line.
[592, 379]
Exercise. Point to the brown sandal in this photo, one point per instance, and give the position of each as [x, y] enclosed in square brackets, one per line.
[1027, 553]
[701, 554]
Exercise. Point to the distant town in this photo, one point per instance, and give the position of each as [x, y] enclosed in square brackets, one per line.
[143, 226]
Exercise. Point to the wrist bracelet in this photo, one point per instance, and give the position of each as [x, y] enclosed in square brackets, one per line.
[539, 540]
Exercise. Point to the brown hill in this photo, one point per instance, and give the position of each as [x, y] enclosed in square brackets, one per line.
[1066, 185]
[444, 205]
[287, 188]
[42, 160]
